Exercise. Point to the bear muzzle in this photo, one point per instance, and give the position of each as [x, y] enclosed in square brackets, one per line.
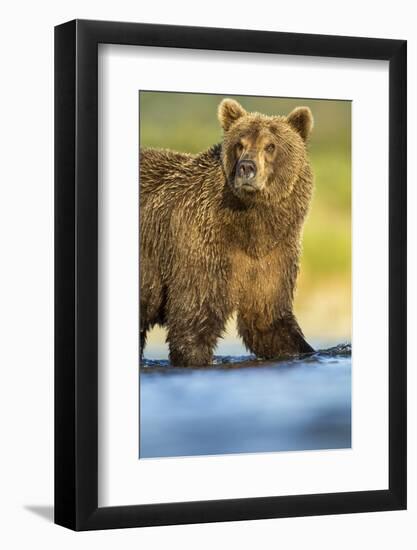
[246, 169]
[245, 177]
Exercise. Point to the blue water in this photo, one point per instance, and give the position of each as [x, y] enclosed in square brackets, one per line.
[241, 405]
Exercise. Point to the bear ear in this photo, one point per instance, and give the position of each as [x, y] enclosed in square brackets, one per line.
[301, 119]
[228, 112]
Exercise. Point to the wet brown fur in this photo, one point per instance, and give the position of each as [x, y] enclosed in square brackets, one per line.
[209, 250]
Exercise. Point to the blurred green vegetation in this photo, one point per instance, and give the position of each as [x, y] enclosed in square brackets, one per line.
[188, 122]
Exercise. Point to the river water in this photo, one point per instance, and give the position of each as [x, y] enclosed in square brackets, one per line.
[241, 405]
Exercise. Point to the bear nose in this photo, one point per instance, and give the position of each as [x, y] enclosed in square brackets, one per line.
[246, 169]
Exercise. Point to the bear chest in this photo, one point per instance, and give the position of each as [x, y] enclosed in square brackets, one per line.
[253, 280]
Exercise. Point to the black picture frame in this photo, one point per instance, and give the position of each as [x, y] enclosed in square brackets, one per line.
[76, 272]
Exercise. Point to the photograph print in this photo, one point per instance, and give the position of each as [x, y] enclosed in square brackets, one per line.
[245, 274]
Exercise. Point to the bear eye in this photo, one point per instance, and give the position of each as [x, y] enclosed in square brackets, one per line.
[270, 148]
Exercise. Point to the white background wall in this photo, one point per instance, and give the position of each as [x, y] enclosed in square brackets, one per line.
[26, 287]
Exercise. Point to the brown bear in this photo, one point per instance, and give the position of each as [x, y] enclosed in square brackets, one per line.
[220, 235]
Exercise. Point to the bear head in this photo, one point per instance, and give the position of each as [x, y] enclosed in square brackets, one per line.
[263, 155]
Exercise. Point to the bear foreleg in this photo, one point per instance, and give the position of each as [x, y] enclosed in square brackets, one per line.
[192, 339]
[283, 337]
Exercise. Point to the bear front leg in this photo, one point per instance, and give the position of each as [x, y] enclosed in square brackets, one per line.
[192, 338]
[283, 337]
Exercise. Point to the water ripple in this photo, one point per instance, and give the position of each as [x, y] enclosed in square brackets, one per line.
[236, 361]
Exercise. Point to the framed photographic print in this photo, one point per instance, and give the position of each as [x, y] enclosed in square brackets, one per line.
[230, 235]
